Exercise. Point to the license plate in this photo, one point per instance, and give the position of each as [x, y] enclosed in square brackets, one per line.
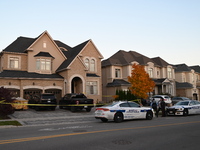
[85, 106]
[98, 114]
[49, 101]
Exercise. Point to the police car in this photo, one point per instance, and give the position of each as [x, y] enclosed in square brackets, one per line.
[123, 110]
[185, 107]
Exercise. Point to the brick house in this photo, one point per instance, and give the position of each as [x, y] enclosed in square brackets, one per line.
[41, 64]
[187, 81]
[117, 68]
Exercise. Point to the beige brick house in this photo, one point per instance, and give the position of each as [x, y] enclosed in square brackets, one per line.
[41, 64]
[187, 81]
[117, 68]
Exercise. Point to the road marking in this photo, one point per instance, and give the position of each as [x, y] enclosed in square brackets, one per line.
[81, 133]
[63, 128]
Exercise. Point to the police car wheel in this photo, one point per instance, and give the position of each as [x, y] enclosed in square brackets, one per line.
[149, 115]
[118, 117]
[104, 120]
[185, 112]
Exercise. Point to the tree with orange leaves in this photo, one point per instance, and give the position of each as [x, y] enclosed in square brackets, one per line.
[141, 83]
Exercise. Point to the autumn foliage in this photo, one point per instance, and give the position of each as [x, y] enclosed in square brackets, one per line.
[141, 83]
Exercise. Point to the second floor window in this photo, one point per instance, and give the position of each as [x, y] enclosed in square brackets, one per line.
[169, 72]
[43, 64]
[14, 62]
[150, 71]
[117, 73]
[90, 64]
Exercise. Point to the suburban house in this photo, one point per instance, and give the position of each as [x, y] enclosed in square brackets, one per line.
[37, 65]
[187, 81]
[117, 68]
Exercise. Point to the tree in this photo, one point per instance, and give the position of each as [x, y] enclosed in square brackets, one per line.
[5, 99]
[141, 83]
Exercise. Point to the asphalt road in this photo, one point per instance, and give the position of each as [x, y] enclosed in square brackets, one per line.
[164, 133]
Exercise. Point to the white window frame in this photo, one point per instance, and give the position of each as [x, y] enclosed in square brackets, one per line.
[43, 64]
[117, 73]
[92, 88]
[169, 73]
[14, 62]
[150, 72]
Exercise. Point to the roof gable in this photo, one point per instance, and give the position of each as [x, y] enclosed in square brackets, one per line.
[159, 61]
[182, 68]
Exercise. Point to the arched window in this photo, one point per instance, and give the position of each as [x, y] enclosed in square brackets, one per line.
[87, 62]
[92, 65]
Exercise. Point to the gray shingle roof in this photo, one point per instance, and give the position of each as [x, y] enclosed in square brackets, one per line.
[182, 68]
[184, 85]
[196, 68]
[25, 74]
[122, 58]
[44, 54]
[118, 82]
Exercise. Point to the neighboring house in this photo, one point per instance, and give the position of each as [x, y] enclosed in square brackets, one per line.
[187, 81]
[117, 68]
[36, 65]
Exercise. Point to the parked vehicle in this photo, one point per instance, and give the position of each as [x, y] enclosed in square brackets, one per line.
[44, 100]
[123, 110]
[186, 107]
[75, 101]
[177, 99]
[166, 98]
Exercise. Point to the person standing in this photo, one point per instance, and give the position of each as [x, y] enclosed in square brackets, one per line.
[162, 107]
[154, 105]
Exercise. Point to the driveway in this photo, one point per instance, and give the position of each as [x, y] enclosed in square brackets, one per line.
[32, 117]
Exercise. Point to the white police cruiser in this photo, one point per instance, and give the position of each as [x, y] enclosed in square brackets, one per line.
[185, 107]
[123, 110]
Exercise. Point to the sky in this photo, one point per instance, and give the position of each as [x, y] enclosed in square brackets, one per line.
[169, 29]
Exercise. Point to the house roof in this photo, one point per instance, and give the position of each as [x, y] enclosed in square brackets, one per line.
[159, 61]
[196, 68]
[21, 44]
[118, 82]
[25, 74]
[122, 58]
[71, 54]
[44, 54]
[182, 68]
[183, 85]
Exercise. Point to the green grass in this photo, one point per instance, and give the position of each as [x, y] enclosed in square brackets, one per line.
[7, 123]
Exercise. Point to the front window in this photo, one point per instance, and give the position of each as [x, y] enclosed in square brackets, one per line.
[92, 65]
[91, 88]
[14, 62]
[117, 73]
[169, 72]
[43, 64]
[87, 62]
[150, 71]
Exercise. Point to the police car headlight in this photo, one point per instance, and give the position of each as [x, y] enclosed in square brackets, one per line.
[180, 109]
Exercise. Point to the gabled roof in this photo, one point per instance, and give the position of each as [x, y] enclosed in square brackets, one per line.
[25, 74]
[122, 58]
[183, 85]
[182, 68]
[196, 68]
[71, 55]
[22, 44]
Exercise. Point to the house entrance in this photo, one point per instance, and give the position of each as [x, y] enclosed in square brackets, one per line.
[77, 85]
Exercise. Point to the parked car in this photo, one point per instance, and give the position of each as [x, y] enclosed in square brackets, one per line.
[123, 110]
[166, 98]
[177, 99]
[44, 100]
[75, 101]
[186, 107]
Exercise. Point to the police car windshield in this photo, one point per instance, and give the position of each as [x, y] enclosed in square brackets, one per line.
[182, 103]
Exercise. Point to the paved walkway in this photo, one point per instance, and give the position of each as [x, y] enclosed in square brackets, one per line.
[32, 117]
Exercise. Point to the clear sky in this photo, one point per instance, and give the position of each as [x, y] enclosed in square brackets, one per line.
[169, 29]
